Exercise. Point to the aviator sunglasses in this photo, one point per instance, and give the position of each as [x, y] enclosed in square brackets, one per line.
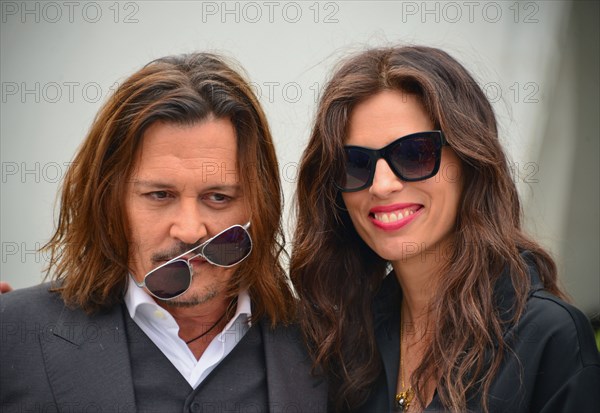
[173, 278]
[413, 157]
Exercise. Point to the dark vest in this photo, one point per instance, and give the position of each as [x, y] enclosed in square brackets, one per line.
[237, 384]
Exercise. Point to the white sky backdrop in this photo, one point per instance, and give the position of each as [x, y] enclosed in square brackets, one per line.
[59, 61]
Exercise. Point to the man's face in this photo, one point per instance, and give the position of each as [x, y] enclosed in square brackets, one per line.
[183, 190]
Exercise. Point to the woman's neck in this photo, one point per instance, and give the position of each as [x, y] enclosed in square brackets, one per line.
[419, 278]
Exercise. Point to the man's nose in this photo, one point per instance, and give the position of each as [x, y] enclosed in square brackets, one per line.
[188, 225]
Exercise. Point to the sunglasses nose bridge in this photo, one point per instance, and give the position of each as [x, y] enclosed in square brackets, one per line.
[388, 155]
[385, 179]
[189, 265]
[374, 156]
[199, 254]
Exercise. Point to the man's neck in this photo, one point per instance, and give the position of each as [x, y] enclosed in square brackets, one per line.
[199, 324]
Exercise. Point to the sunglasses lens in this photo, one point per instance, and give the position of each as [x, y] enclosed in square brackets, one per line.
[228, 248]
[415, 158]
[169, 281]
[358, 169]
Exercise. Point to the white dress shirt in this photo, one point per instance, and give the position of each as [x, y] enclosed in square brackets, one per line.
[161, 328]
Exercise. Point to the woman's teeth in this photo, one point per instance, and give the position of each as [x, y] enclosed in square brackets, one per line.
[393, 216]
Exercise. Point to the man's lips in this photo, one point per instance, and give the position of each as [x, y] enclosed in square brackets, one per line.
[394, 216]
[197, 261]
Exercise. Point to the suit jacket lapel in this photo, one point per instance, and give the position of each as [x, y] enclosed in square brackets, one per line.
[87, 362]
[289, 380]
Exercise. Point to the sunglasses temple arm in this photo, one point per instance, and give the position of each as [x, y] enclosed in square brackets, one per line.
[142, 284]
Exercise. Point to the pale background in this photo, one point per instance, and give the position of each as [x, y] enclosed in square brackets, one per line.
[537, 62]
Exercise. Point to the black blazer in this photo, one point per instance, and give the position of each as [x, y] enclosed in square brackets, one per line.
[552, 342]
[53, 358]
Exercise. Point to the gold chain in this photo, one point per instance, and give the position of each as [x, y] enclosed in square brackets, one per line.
[405, 397]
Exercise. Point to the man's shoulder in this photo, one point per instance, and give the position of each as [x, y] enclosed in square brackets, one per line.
[285, 345]
[291, 366]
[25, 315]
[287, 331]
[38, 301]
[287, 337]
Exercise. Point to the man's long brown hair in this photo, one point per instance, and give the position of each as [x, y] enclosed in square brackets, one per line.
[337, 275]
[89, 250]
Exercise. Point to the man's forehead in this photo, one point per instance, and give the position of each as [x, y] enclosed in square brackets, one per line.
[163, 184]
[210, 140]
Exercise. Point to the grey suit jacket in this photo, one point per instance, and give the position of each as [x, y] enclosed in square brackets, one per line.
[53, 358]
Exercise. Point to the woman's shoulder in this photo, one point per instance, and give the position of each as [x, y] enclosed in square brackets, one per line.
[548, 310]
[558, 325]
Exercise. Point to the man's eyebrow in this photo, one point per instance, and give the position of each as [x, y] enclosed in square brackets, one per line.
[224, 188]
[152, 184]
[163, 185]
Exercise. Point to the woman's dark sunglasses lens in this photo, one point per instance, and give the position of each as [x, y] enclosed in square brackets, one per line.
[358, 169]
[415, 158]
[169, 281]
[229, 248]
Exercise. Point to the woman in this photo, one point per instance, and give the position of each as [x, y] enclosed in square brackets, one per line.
[404, 172]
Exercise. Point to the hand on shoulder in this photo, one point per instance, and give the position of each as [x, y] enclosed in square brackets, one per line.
[5, 287]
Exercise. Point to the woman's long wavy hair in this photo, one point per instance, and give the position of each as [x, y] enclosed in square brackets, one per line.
[337, 275]
[89, 249]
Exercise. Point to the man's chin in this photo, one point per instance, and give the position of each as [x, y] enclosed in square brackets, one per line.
[187, 301]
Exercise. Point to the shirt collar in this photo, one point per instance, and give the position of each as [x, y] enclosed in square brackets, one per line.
[135, 297]
[244, 308]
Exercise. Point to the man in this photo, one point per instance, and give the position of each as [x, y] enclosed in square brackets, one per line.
[167, 292]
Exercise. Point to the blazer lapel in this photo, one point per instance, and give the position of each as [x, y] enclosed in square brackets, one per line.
[87, 362]
[289, 380]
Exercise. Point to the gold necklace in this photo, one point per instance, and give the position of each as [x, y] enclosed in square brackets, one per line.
[406, 396]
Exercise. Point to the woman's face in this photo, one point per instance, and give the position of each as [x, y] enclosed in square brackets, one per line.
[402, 220]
